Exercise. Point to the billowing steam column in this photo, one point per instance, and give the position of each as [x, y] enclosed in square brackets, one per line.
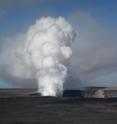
[48, 50]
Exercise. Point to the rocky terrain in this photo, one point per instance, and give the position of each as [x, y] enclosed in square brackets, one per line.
[33, 109]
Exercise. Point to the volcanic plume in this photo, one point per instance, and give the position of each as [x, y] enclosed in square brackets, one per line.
[48, 50]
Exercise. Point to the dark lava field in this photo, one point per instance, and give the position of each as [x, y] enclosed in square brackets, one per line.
[25, 106]
[52, 110]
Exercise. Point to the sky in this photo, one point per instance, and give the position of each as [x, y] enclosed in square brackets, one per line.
[94, 61]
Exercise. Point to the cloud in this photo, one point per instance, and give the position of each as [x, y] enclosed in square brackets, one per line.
[94, 50]
[13, 67]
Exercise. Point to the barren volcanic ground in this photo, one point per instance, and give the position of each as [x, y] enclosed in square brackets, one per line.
[33, 109]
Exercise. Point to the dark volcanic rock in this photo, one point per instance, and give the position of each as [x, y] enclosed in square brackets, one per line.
[45, 110]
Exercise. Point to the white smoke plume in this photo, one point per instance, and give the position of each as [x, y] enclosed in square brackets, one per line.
[48, 51]
[93, 63]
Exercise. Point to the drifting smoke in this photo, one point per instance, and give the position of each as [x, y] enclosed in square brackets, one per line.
[48, 51]
[94, 60]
